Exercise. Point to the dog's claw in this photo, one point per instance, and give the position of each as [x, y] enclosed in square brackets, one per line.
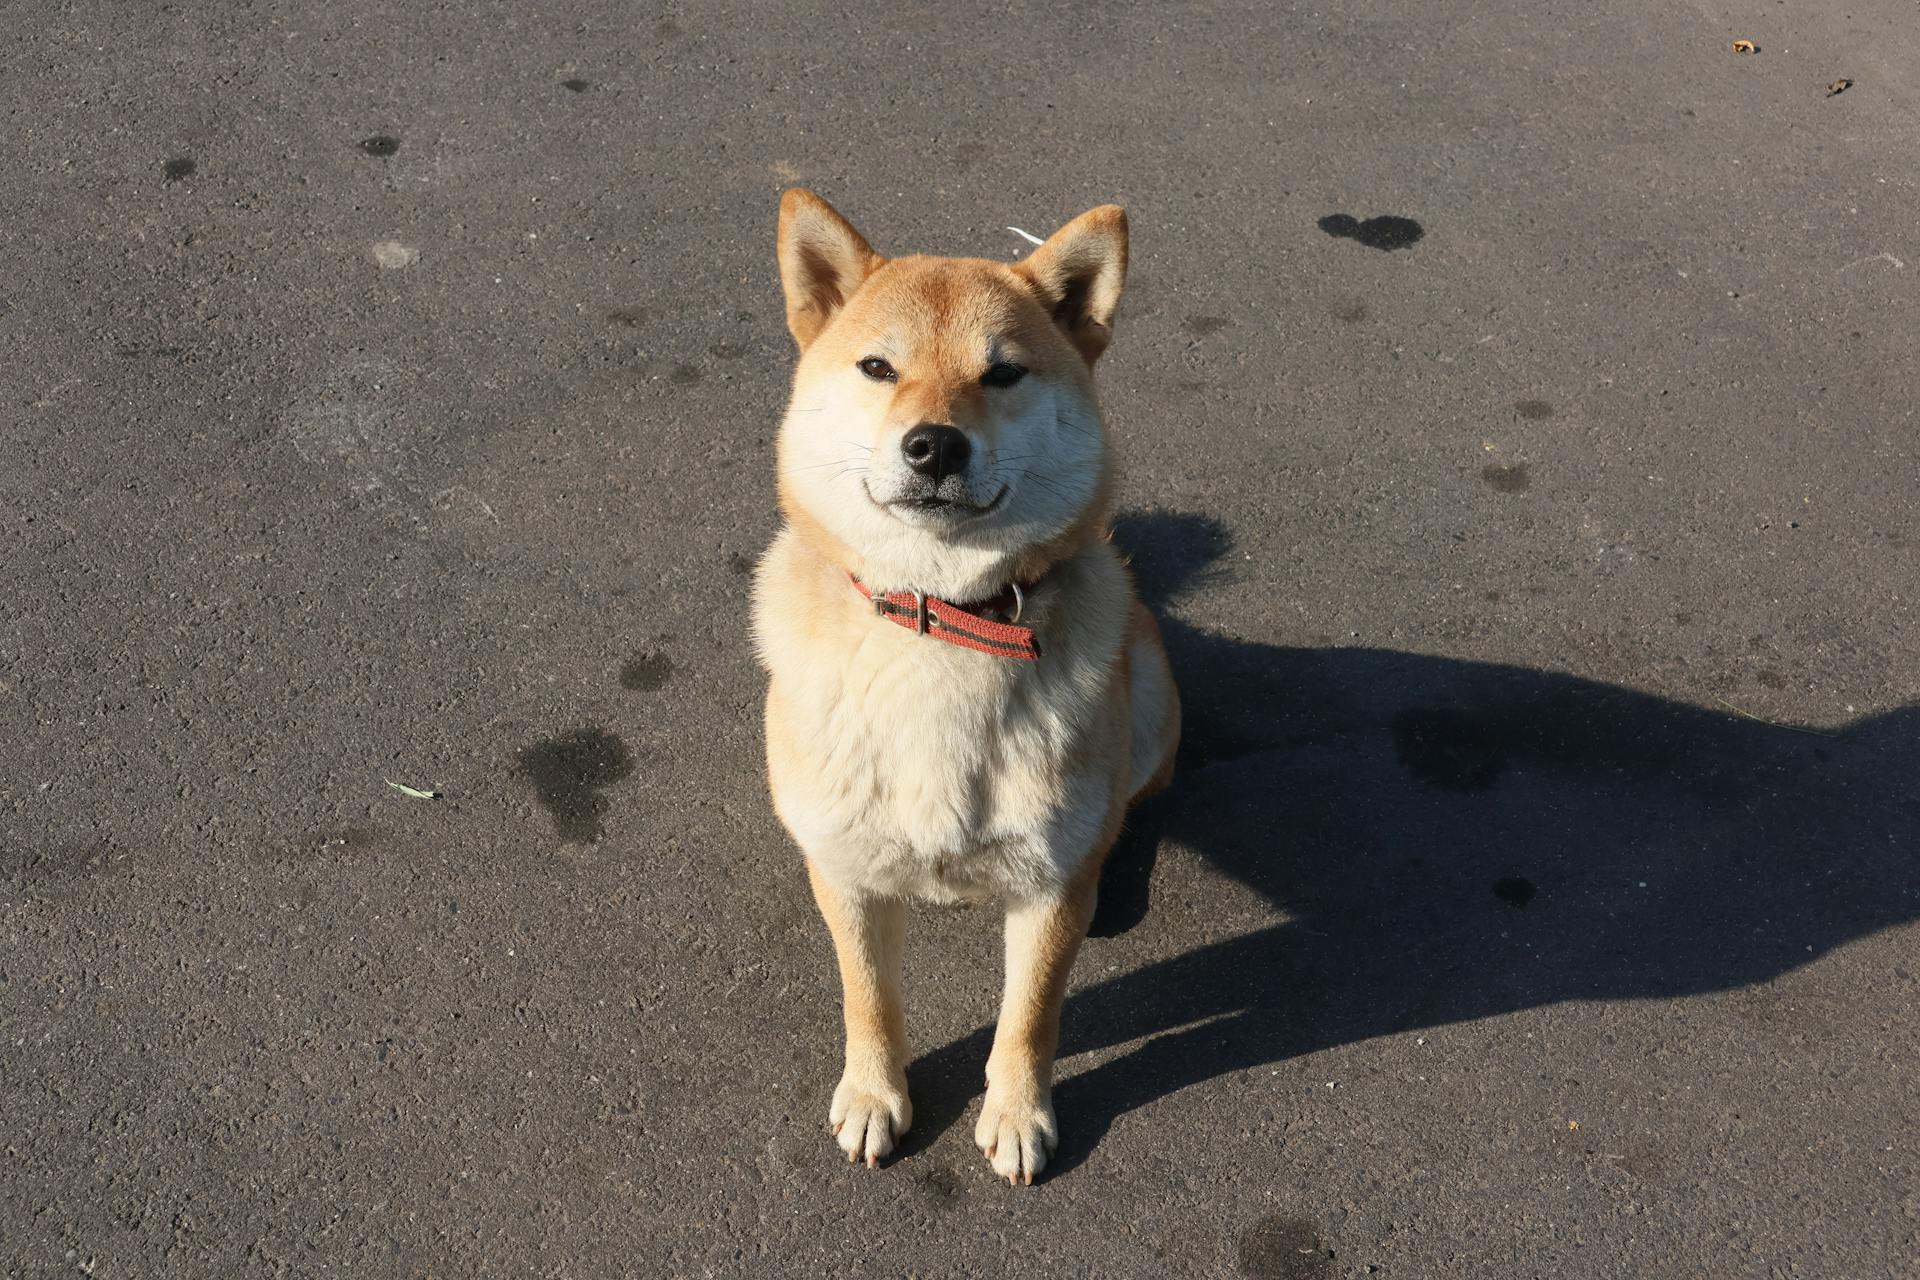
[868, 1117]
[1017, 1133]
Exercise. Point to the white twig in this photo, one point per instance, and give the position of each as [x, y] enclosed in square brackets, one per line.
[1878, 257]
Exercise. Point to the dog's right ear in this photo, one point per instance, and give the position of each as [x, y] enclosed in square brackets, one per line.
[822, 261]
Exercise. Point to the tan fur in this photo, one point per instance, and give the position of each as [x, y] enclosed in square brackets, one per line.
[906, 767]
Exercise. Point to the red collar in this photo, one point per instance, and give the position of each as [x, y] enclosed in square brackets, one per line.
[966, 625]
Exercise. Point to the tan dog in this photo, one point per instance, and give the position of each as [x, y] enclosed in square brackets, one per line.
[965, 693]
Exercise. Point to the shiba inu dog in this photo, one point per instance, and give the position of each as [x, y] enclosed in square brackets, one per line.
[966, 694]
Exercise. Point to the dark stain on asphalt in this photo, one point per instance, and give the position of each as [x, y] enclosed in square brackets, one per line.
[380, 145]
[627, 317]
[178, 167]
[1511, 479]
[1516, 891]
[82, 860]
[1353, 313]
[646, 672]
[54, 872]
[1203, 326]
[1646, 1164]
[666, 29]
[1385, 232]
[1449, 749]
[941, 1185]
[576, 85]
[739, 565]
[968, 154]
[684, 375]
[569, 772]
[1533, 410]
[1279, 1247]
[724, 350]
[1772, 679]
[1683, 619]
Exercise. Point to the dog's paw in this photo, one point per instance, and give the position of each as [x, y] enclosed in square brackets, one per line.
[1017, 1132]
[869, 1115]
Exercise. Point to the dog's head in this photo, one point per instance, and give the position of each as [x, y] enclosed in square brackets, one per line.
[943, 430]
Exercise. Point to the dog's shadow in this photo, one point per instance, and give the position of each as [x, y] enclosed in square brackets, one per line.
[1453, 840]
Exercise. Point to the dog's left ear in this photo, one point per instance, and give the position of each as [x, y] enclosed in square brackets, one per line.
[822, 261]
[1078, 273]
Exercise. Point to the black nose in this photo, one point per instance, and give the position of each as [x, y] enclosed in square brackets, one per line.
[936, 451]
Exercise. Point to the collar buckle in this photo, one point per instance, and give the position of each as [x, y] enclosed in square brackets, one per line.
[923, 617]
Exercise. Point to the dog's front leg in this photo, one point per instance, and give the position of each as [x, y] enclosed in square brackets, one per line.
[1017, 1129]
[870, 1107]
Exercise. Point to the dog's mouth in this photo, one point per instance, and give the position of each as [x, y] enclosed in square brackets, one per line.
[932, 504]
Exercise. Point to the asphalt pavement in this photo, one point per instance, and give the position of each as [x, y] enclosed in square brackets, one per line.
[1516, 404]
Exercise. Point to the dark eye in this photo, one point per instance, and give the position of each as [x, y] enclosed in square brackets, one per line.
[1002, 375]
[877, 369]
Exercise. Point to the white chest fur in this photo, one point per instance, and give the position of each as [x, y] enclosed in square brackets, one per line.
[906, 766]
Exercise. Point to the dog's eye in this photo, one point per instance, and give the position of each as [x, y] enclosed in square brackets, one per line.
[1002, 375]
[877, 369]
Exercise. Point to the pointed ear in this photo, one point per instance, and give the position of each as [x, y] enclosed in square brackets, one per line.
[1077, 274]
[822, 261]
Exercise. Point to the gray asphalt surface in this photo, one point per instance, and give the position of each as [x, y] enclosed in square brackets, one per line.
[1517, 410]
